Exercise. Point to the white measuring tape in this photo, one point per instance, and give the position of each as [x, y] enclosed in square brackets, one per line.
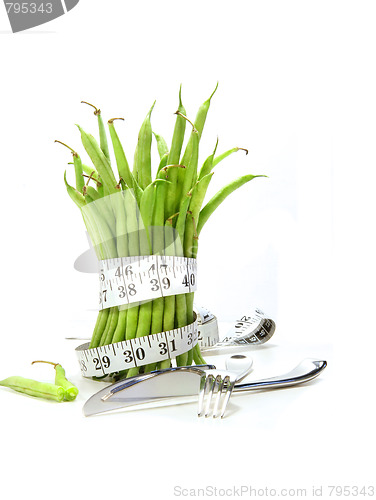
[252, 329]
[127, 280]
[140, 351]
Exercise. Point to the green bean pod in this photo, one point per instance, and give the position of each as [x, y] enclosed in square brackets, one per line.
[163, 162]
[80, 182]
[219, 197]
[77, 167]
[119, 333]
[99, 328]
[102, 131]
[199, 126]
[188, 182]
[77, 197]
[174, 157]
[103, 137]
[142, 162]
[34, 388]
[146, 211]
[113, 317]
[190, 173]
[88, 170]
[120, 225]
[70, 390]
[122, 162]
[198, 195]
[208, 164]
[99, 160]
[224, 155]
[161, 145]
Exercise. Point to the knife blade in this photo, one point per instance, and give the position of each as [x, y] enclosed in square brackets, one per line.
[167, 384]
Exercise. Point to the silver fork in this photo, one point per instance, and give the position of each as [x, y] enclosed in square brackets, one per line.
[220, 383]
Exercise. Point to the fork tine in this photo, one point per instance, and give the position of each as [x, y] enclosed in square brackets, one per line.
[229, 387]
[203, 384]
[211, 386]
[219, 396]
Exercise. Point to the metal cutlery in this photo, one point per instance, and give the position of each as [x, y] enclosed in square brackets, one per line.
[182, 384]
[220, 383]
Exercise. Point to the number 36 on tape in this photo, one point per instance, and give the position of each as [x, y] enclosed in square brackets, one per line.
[127, 280]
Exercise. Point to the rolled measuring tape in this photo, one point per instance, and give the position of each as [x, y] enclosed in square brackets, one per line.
[134, 279]
[251, 329]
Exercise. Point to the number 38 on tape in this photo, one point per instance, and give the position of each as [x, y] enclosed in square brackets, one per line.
[127, 280]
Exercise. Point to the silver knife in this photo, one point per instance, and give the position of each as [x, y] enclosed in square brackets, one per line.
[180, 385]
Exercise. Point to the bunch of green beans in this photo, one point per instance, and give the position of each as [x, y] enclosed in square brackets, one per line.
[141, 219]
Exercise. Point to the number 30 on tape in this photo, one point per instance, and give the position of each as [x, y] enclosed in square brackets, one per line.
[141, 351]
[132, 279]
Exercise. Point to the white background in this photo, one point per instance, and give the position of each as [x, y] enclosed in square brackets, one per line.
[297, 87]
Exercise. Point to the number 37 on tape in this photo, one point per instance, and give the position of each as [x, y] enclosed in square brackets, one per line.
[133, 279]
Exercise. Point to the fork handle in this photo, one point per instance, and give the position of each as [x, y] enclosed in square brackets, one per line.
[306, 370]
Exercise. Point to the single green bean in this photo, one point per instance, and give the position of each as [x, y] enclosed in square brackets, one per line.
[102, 131]
[189, 180]
[122, 162]
[163, 162]
[112, 327]
[90, 171]
[161, 145]
[119, 333]
[174, 156]
[34, 388]
[219, 197]
[181, 218]
[224, 155]
[92, 193]
[100, 325]
[142, 166]
[100, 161]
[77, 168]
[208, 164]
[178, 135]
[199, 126]
[77, 197]
[121, 225]
[80, 182]
[190, 172]
[70, 390]
[146, 211]
[198, 195]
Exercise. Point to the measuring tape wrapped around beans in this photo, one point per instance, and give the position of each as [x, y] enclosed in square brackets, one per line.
[129, 214]
[252, 328]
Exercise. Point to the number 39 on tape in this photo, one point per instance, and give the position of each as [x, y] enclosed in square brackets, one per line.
[133, 279]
